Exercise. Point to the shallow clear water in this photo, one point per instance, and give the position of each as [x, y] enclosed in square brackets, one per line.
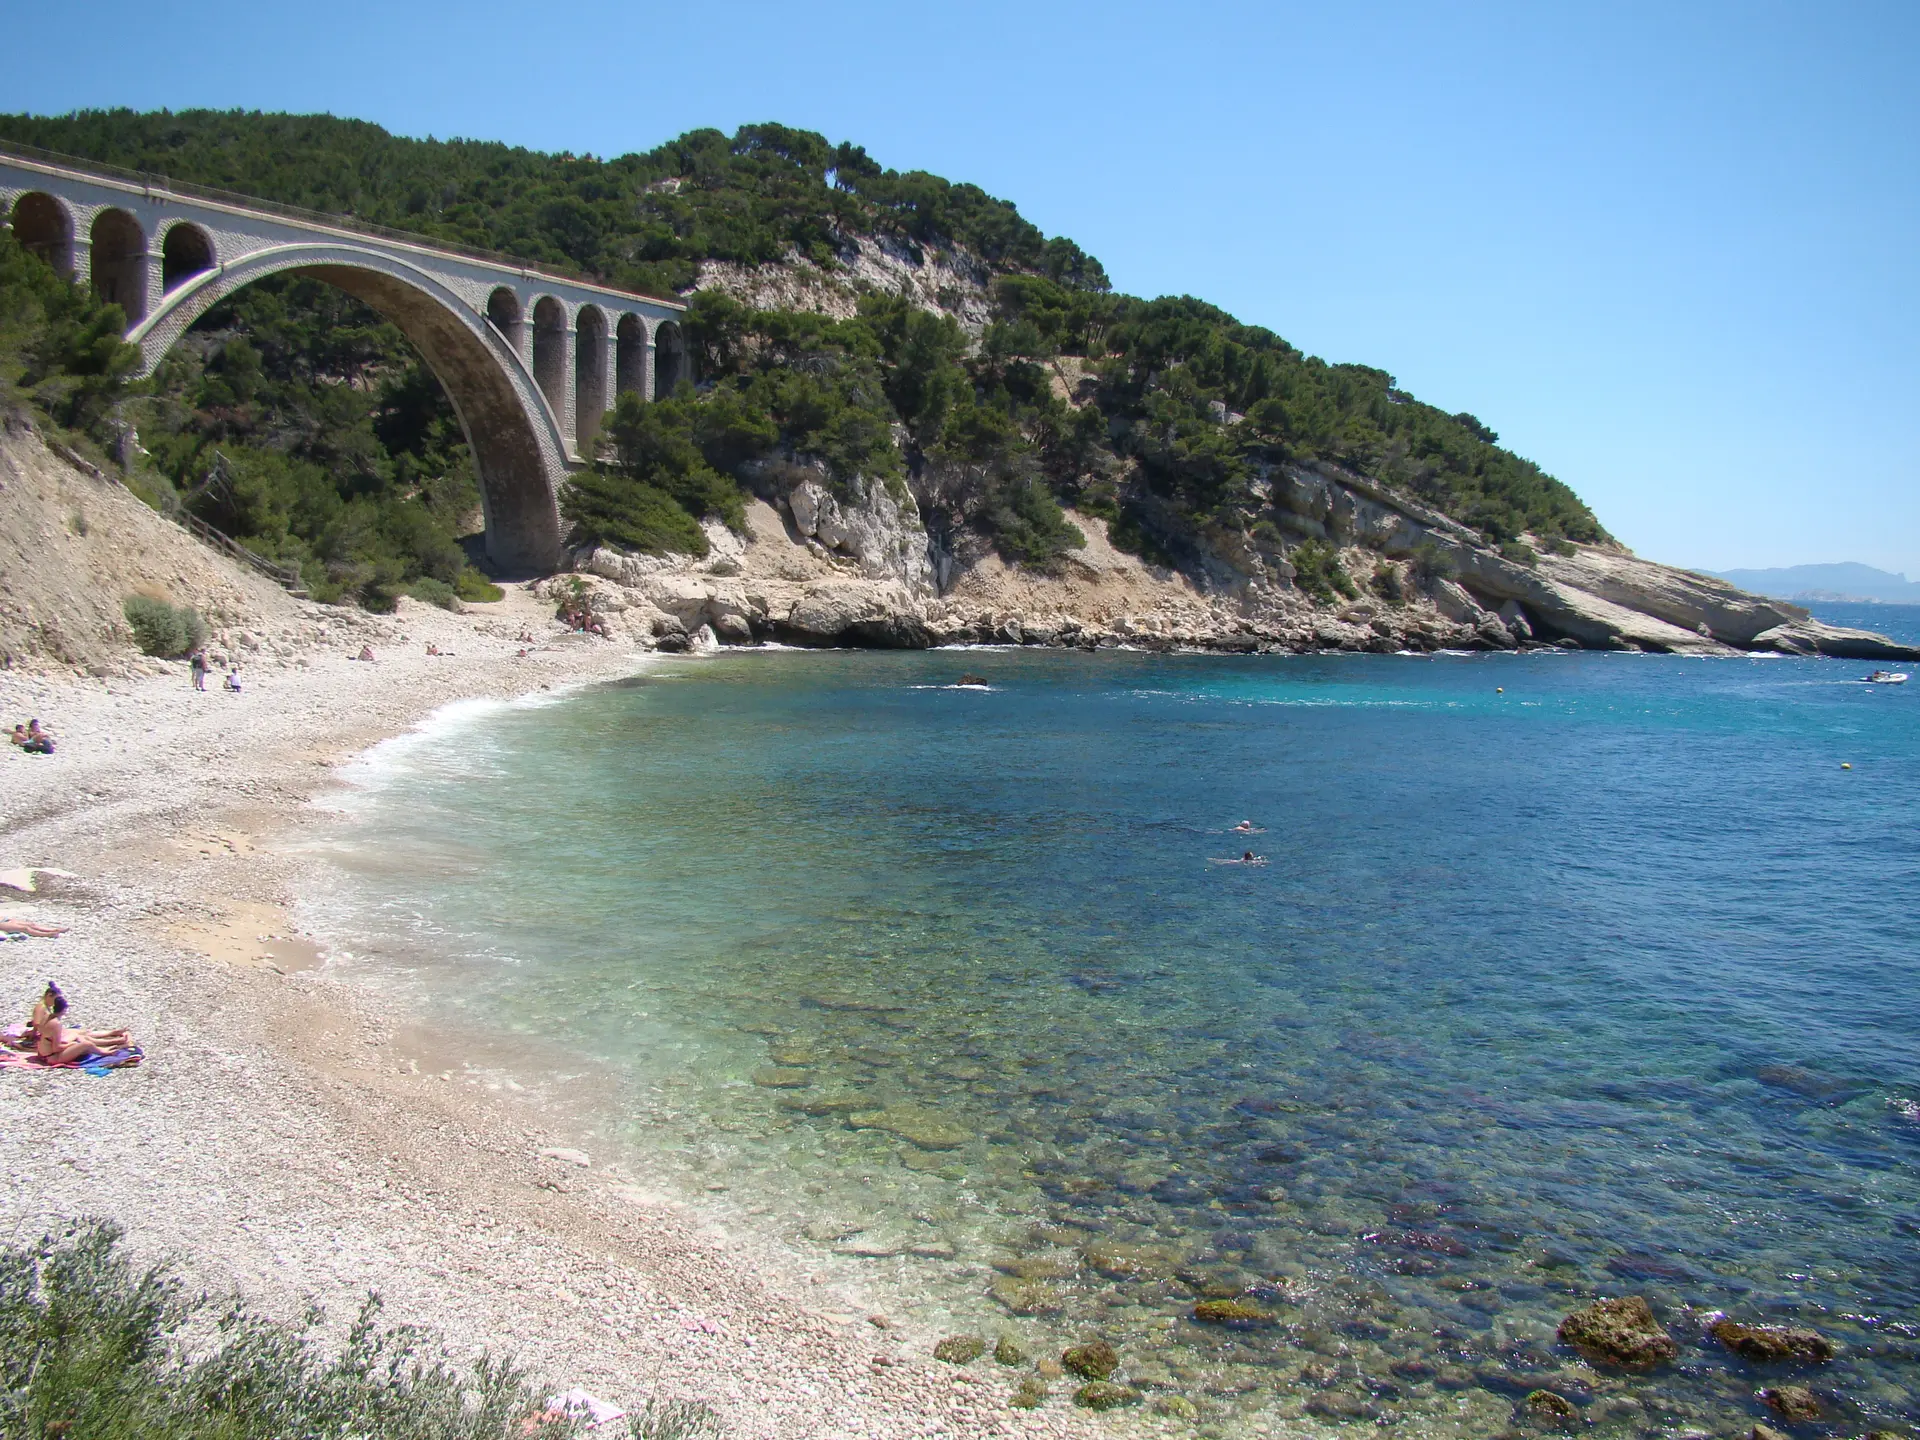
[1602, 984]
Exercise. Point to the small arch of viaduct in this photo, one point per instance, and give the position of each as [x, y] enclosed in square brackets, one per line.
[532, 362]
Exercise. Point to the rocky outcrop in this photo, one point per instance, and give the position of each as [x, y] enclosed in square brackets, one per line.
[853, 564]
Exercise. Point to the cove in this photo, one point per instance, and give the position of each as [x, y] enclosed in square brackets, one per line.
[1567, 976]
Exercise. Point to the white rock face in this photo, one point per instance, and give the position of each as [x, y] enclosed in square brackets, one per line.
[878, 531]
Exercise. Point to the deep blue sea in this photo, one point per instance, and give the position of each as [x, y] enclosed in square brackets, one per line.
[1563, 976]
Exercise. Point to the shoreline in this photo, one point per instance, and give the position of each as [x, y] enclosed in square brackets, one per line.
[284, 1140]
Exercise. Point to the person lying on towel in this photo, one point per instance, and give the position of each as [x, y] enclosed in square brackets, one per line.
[56, 1044]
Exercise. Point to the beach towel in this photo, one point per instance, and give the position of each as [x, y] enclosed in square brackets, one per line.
[577, 1404]
[95, 1065]
[21, 878]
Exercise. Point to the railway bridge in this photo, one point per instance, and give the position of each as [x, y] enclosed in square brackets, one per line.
[532, 361]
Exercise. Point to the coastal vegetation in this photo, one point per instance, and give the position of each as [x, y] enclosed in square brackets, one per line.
[92, 1345]
[298, 421]
[168, 631]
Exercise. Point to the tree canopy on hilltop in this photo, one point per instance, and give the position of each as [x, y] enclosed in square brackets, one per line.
[1166, 417]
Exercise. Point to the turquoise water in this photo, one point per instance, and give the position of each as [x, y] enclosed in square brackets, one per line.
[1566, 975]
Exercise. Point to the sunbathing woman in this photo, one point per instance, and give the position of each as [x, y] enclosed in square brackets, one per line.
[55, 1044]
[31, 927]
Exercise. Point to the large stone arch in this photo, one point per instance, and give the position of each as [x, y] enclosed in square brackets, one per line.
[669, 359]
[186, 250]
[119, 262]
[517, 443]
[44, 226]
[590, 379]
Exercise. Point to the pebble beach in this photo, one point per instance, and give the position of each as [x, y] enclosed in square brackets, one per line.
[285, 1141]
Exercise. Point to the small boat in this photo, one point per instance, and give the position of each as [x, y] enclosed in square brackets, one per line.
[1887, 677]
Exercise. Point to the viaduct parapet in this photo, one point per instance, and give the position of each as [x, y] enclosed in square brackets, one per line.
[531, 361]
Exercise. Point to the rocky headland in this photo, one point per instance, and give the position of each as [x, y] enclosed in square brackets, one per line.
[860, 568]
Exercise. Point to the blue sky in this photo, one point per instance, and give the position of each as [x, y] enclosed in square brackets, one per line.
[1669, 251]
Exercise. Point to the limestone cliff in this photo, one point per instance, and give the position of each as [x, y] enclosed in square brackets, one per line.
[813, 568]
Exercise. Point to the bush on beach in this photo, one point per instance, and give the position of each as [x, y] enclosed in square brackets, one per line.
[167, 631]
[91, 1346]
[94, 1348]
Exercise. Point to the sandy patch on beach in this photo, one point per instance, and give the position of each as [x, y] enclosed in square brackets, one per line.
[291, 1139]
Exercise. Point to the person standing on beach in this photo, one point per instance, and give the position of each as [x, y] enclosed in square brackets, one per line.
[198, 663]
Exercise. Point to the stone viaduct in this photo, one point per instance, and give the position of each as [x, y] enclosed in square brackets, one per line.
[530, 360]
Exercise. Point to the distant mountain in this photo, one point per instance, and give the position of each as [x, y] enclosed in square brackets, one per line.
[1846, 581]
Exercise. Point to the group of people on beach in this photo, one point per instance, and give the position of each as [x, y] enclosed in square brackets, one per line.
[57, 1043]
[31, 738]
[46, 1036]
[197, 663]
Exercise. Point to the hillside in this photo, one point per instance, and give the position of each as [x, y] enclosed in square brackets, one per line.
[908, 354]
[1848, 580]
[1163, 375]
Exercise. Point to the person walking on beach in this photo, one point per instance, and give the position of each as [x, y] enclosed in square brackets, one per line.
[198, 663]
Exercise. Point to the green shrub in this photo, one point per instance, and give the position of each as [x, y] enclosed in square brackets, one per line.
[1520, 553]
[91, 1347]
[474, 586]
[1387, 584]
[1431, 563]
[161, 629]
[1028, 525]
[630, 513]
[434, 592]
[1317, 570]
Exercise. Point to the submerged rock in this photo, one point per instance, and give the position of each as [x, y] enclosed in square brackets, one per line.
[1621, 1331]
[1640, 1265]
[1806, 1082]
[1009, 1351]
[1096, 1359]
[1547, 1406]
[1793, 1402]
[1236, 1314]
[829, 1104]
[782, 1077]
[1025, 1297]
[960, 1349]
[1129, 1262]
[1773, 1344]
[1100, 1395]
[928, 1129]
[1175, 1407]
[1036, 1267]
[1028, 1393]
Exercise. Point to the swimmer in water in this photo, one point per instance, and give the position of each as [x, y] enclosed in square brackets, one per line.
[1245, 827]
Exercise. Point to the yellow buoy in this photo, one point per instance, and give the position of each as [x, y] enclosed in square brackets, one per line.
[1845, 766]
[1499, 689]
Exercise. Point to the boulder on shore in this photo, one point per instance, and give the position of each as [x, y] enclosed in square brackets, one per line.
[1621, 1332]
